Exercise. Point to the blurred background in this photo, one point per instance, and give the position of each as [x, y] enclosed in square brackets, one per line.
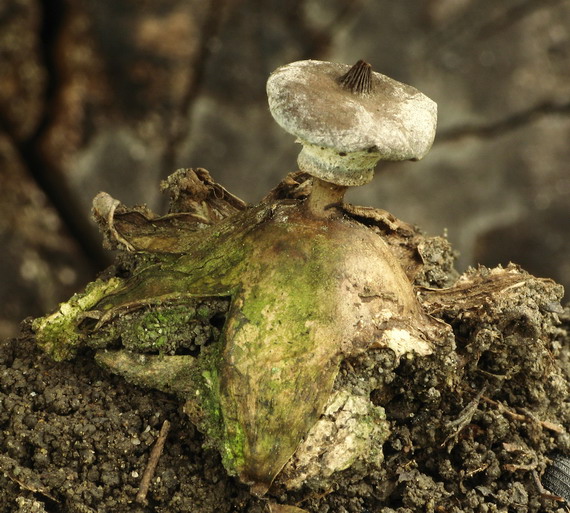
[114, 95]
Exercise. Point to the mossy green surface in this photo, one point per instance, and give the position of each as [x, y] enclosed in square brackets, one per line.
[58, 334]
[257, 387]
[282, 352]
[175, 328]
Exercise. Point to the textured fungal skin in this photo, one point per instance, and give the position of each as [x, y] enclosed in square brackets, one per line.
[307, 304]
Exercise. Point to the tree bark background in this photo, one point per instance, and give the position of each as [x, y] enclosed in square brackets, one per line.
[114, 95]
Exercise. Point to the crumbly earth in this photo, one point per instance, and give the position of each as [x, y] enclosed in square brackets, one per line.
[472, 425]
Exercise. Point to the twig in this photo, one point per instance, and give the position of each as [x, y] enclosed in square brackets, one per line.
[544, 423]
[504, 409]
[526, 417]
[152, 462]
[464, 418]
[513, 467]
[24, 477]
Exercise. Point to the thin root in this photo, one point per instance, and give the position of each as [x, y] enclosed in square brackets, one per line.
[152, 463]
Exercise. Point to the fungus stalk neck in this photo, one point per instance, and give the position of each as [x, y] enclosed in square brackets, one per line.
[324, 198]
[336, 166]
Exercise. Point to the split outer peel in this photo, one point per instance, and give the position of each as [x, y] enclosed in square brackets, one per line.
[306, 293]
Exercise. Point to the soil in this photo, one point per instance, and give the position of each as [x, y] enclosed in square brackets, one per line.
[472, 426]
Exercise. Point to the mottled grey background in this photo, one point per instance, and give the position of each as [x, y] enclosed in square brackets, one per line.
[115, 94]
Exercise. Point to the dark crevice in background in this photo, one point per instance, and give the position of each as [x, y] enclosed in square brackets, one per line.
[507, 124]
[480, 20]
[47, 176]
[315, 39]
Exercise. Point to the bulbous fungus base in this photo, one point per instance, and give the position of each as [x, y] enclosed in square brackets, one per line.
[306, 293]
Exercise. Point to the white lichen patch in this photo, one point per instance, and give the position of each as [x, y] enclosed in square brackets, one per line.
[402, 341]
[350, 430]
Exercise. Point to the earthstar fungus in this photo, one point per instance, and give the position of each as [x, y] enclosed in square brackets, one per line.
[306, 289]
